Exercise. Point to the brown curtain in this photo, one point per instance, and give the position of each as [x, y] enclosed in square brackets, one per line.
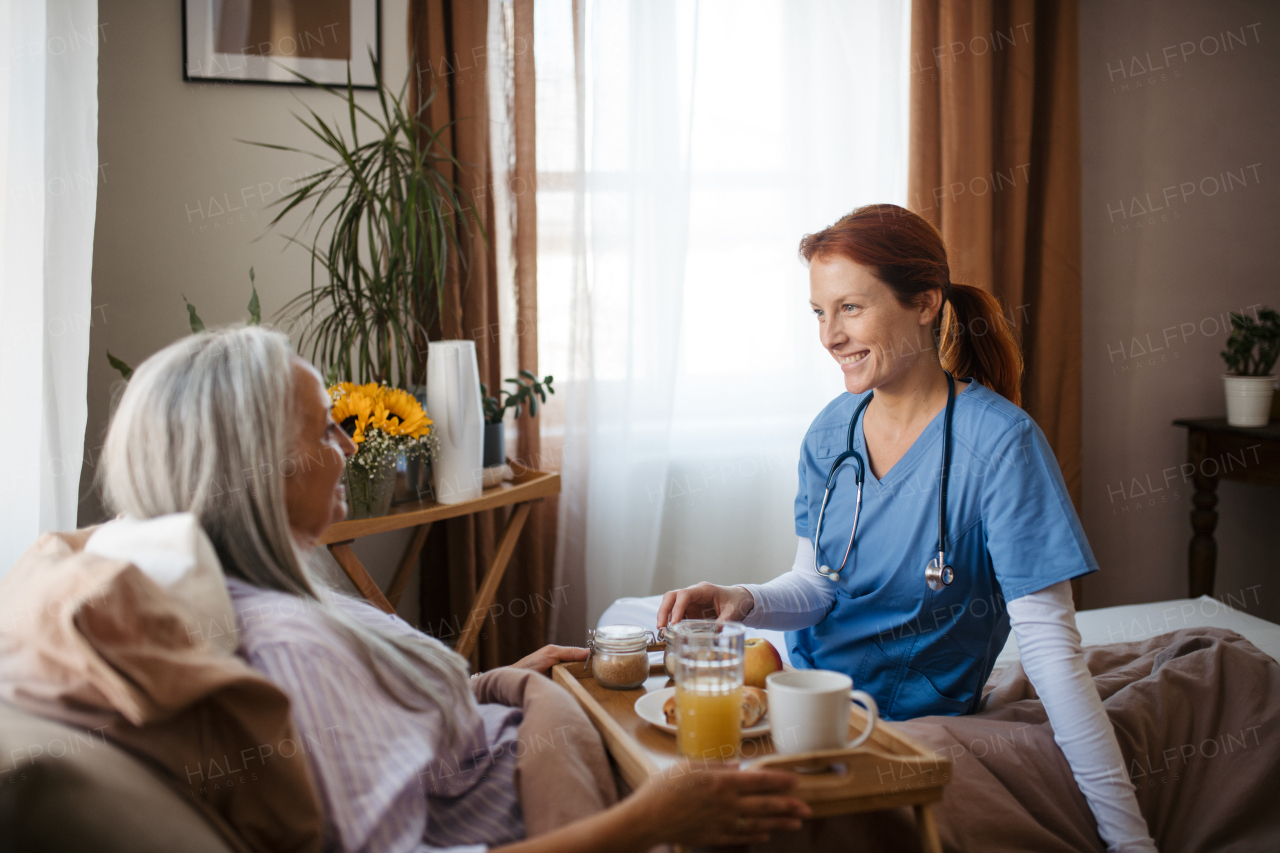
[995, 164]
[448, 49]
[537, 550]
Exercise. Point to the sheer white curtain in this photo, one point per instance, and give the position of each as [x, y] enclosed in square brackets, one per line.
[711, 136]
[48, 195]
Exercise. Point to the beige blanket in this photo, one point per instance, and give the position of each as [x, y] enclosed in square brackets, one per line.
[1197, 716]
[562, 769]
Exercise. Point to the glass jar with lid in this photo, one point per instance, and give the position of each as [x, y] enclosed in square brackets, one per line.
[620, 656]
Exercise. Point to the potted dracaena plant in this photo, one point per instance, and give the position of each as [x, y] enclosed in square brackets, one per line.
[385, 222]
[1252, 350]
[529, 391]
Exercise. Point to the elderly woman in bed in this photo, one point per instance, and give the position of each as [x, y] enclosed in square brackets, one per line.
[965, 529]
[386, 699]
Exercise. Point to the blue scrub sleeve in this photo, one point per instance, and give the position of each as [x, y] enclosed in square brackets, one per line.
[802, 499]
[1033, 535]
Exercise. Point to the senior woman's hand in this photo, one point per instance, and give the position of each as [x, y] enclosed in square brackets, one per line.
[548, 656]
[691, 804]
[705, 601]
[710, 806]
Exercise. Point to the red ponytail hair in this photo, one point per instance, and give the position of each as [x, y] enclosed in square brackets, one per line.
[908, 255]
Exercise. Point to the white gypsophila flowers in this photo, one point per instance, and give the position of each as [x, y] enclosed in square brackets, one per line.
[379, 450]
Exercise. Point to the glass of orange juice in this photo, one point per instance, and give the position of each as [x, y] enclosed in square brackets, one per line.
[708, 665]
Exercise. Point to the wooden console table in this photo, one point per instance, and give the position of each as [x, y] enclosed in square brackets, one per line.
[527, 487]
[1218, 451]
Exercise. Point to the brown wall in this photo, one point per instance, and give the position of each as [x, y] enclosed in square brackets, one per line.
[1154, 119]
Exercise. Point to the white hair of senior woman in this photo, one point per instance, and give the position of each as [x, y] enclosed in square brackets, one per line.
[207, 426]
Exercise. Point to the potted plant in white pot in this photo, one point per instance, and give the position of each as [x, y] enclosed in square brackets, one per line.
[1252, 350]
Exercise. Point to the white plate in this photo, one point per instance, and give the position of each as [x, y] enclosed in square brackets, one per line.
[649, 707]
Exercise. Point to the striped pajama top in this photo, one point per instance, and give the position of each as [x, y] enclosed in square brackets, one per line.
[386, 780]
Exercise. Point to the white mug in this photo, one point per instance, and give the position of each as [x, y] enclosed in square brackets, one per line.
[809, 710]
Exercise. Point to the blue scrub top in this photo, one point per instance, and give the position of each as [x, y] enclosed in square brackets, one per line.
[1011, 531]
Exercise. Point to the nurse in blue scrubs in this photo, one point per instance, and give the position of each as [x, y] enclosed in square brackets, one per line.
[912, 345]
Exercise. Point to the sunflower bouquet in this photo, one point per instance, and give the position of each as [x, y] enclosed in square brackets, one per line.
[384, 423]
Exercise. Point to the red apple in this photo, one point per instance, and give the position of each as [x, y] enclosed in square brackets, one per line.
[760, 660]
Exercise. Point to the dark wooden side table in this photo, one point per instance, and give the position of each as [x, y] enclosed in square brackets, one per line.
[1216, 451]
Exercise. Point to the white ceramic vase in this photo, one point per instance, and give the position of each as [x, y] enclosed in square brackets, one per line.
[1249, 399]
[453, 402]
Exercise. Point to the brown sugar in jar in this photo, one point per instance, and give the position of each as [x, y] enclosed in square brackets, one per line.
[620, 656]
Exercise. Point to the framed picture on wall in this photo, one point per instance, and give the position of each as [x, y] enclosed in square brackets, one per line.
[263, 41]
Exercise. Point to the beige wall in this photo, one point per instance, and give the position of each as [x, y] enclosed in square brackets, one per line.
[1167, 121]
[170, 160]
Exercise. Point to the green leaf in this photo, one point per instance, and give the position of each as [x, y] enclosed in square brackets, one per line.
[255, 310]
[197, 325]
[125, 370]
[1253, 346]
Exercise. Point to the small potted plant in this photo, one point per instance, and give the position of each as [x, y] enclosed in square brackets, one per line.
[1251, 353]
[529, 391]
[385, 423]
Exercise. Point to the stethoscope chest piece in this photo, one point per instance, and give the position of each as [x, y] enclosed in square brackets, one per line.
[938, 575]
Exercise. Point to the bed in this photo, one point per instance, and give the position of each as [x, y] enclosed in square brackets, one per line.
[1192, 688]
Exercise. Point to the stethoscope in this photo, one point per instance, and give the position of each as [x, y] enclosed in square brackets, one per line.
[937, 574]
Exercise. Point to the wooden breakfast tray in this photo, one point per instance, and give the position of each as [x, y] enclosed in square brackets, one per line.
[888, 771]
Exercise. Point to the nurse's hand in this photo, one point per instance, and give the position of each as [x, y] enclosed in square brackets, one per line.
[705, 601]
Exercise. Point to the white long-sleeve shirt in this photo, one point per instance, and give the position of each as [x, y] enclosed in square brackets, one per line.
[1049, 645]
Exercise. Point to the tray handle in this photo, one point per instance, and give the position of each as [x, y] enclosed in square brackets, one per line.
[821, 760]
[851, 772]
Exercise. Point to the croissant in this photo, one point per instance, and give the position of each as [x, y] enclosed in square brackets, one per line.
[755, 704]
